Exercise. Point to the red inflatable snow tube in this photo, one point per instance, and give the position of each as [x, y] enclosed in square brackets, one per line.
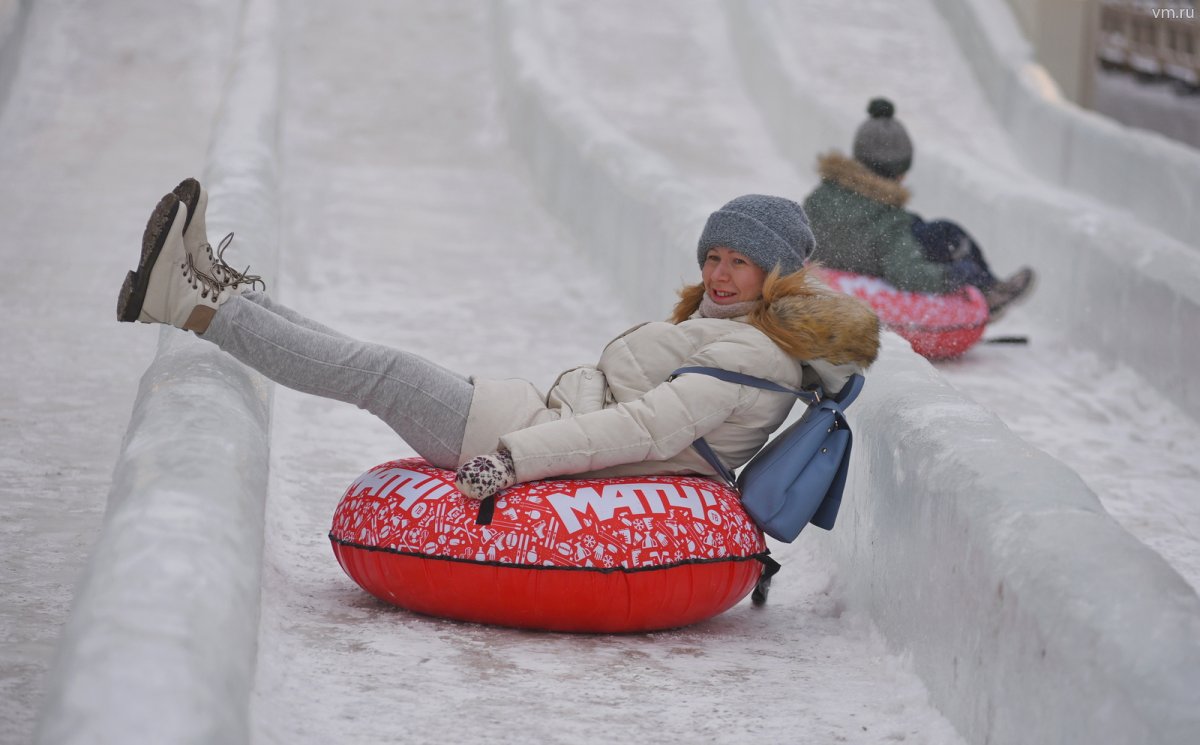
[587, 555]
[937, 326]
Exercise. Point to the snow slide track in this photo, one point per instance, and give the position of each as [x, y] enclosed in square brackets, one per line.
[1029, 620]
[183, 533]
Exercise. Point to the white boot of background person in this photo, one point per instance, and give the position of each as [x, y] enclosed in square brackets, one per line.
[166, 288]
[195, 240]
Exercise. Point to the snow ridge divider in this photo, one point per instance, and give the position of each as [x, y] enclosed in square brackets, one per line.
[637, 221]
[13, 23]
[161, 640]
[1031, 615]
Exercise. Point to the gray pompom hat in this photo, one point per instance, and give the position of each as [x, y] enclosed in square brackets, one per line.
[770, 231]
[882, 143]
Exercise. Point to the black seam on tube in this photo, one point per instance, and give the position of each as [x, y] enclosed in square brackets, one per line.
[601, 570]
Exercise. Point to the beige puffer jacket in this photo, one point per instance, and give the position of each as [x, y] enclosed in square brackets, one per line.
[623, 417]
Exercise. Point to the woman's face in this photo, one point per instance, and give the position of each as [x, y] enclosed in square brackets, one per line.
[730, 277]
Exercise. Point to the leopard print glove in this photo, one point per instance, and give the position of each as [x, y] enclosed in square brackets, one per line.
[484, 475]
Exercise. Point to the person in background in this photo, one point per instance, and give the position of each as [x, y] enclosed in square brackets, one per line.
[754, 311]
[859, 217]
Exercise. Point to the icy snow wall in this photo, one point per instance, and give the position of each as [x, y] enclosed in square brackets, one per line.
[14, 14]
[161, 640]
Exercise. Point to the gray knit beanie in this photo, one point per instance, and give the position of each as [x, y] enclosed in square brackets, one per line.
[881, 143]
[770, 231]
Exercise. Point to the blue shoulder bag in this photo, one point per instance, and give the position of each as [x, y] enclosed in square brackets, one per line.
[799, 476]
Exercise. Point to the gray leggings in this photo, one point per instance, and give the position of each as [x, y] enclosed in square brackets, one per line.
[424, 403]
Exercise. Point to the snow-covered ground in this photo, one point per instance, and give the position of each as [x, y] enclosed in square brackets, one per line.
[409, 221]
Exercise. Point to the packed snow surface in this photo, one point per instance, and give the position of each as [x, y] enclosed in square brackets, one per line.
[408, 221]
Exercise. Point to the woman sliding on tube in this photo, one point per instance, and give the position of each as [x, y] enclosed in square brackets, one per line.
[756, 311]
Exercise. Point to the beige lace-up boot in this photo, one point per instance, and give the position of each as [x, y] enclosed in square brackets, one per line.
[200, 252]
[166, 288]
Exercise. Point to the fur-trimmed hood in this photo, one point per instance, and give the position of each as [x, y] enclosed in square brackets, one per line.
[810, 321]
[850, 174]
[807, 319]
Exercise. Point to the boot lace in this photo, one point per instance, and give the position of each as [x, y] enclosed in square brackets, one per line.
[223, 275]
[198, 280]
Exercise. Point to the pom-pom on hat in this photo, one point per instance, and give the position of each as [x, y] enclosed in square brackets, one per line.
[881, 143]
[770, 231]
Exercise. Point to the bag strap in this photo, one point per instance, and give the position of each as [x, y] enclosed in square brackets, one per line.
[809, 397]
[724, 471]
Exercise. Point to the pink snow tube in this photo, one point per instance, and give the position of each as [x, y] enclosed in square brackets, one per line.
[937, 326]
[591, 555]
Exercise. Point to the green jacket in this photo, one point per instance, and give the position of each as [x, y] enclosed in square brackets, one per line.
[861, 226]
